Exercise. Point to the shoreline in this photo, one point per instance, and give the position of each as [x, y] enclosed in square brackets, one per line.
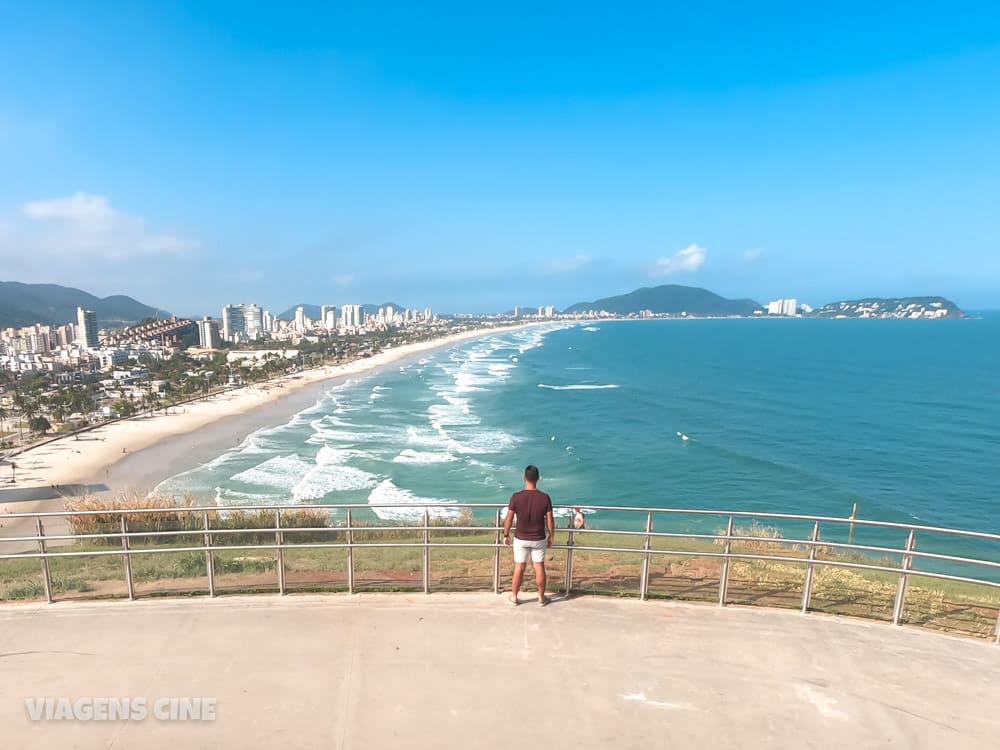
[139, 453]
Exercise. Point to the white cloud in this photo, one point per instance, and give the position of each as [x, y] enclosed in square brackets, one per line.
[689, 259]
[566, 265]
[343, 280]
[89, 223]
[754, 255]
[79, 207]
[246, 276]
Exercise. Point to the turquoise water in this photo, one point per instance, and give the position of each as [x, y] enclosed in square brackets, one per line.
[793, 416]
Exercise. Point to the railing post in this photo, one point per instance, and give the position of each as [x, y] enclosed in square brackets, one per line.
[427, 552]
[209, 558]
[496, 556]
[724, 578]
[350, 553]
[897, 608]
[46, 576]
[996, 630]
[569, 562]
[807, 588]
[644, 578]
[128, 559]
[279, 539]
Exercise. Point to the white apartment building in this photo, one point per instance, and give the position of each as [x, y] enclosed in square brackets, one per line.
[789, 307]
[208, 334]
[351, 316]
[243, 322]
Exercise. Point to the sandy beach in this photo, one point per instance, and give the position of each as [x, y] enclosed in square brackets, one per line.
[106, 459]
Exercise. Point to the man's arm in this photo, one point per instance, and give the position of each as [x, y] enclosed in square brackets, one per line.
[550, 521]
[506, 525]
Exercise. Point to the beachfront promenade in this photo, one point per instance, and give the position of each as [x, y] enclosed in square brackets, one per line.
[469, 670]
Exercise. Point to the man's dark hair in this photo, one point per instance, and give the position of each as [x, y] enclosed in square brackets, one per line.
[531, 474]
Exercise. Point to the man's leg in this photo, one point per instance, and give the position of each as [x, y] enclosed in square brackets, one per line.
[516, 583]
[540, 579]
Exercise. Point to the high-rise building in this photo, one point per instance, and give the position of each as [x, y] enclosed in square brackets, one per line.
[65, 335]
[234, 325]
[328, 317]
[783, 307]
[242, 322]
[254, 318]
[268, 322]
[208, 334]
[86, 328]
[550, 311]
[300, 319]
[351, 316]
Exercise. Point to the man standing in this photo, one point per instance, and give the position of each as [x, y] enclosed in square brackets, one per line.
[533, 509]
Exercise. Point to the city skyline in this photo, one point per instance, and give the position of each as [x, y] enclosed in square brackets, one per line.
[187, 155]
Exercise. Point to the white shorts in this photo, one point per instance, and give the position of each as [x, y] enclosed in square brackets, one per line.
[522, 547]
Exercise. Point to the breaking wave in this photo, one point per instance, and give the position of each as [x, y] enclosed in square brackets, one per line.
[578, 387]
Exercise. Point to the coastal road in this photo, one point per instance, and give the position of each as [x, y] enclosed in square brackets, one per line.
[470, 670]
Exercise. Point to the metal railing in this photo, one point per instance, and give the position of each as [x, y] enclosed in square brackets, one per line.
[343, 527]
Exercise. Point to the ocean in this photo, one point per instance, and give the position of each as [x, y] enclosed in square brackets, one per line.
[801, 416]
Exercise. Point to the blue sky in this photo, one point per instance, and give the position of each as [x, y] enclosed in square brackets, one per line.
[474, 156]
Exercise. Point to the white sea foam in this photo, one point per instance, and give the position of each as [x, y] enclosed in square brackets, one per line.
[451, 414]
[388, 493]
[410, 456]
[578, 387]
[427, 438]
[280, 472]
[481, 441]
[467, 382]
[327, 478]
[225, 496]
[591, 328]
[329, 455]
[462, 403]
[351, 436]
[500, 369]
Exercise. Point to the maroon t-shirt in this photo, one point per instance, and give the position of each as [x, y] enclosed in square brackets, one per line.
[529, 508]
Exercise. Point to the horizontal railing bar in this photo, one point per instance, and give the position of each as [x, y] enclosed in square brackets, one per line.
[493, 506]
[485, 529]
[799, 560]
[868, 548]
[486, 546]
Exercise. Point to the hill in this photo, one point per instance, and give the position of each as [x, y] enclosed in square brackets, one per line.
[670, 298]
[313, 311]
[895, 307]
[26, 304]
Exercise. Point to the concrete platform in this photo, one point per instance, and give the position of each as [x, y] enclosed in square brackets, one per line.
[470, 671]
